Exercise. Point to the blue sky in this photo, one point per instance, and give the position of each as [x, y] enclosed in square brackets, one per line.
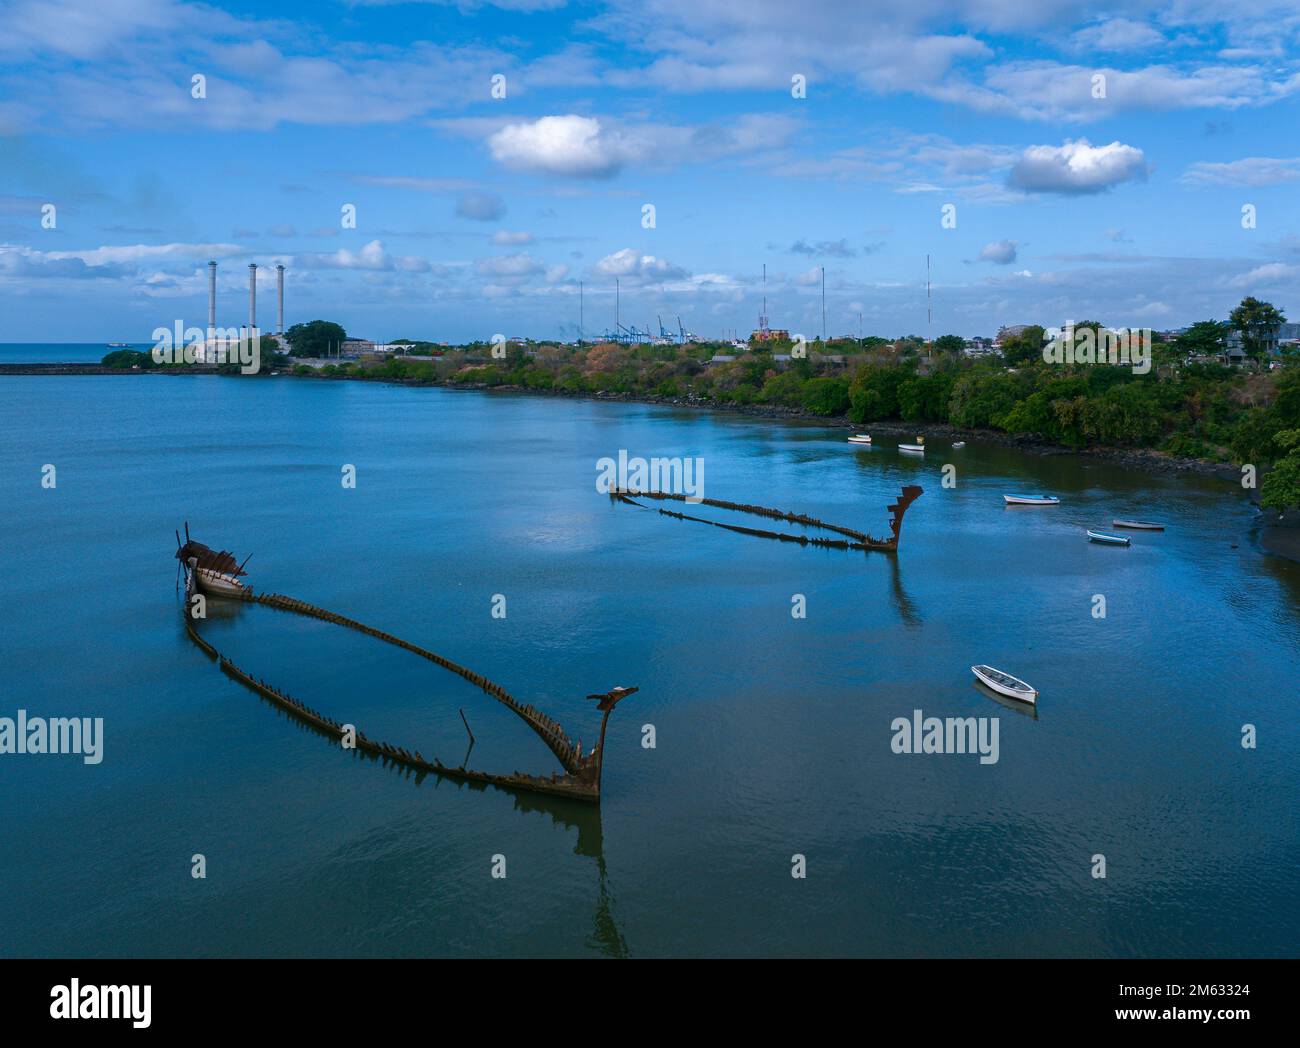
[479, 215]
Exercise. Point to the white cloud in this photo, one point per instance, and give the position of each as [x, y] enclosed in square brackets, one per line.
[1271, 274]
[833, 248]
[559, 145]
[627, 264]
[510, 267]
[480, 207]
[1118, 34]
[1249, 171]
[1003, 252]
[148, 252]
[1077, 167]
[18, 263]
[372, 256]
[591, 147]
[510, 238]
[1151, 310]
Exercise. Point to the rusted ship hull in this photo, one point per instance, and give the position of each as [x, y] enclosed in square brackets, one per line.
[853, 540]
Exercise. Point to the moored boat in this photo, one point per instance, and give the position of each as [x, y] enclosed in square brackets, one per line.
[1031, 500]
[1138, 525]
[1005, 684]
[1107, 539]
[918, 446]
[959, 444]
[860, 438]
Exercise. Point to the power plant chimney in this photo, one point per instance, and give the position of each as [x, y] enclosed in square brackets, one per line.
[252, 298]
[279, 300]
[212, 300]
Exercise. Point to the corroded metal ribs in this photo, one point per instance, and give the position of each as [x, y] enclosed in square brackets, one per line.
[582, 771]
[853, 540]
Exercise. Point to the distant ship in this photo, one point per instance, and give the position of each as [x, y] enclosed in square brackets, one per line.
[119, 345]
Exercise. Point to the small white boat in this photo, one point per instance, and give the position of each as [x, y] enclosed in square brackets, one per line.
[1107, 540]
[1031, 500]
[1005, 684]
[959, 444]
[918, 446]
[1138, 525]
[860, 438]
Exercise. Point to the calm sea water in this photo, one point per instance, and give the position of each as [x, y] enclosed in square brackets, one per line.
[773, 733]
[59, 352]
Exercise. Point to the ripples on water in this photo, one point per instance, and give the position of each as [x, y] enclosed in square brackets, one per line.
[772, 733]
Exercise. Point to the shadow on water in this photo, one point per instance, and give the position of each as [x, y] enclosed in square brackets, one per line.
[1025, 709]
[606, 935]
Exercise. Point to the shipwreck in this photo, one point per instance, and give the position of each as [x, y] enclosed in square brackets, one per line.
[852, 539]
[216, 573]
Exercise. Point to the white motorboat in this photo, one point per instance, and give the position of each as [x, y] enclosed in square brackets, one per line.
[1106, 539]
[1031, 500]
[1005, 684]
[918, 446]
[1138, 525]
[959, 444]
[860, 438]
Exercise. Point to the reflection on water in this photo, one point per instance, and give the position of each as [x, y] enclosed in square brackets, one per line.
[606, 937]
[773, 732]
[1025, 709]
[902, 602]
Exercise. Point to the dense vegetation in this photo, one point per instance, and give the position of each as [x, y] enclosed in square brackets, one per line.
[316, 338]
[1182, 406]
[1196, 410]
[128, 358]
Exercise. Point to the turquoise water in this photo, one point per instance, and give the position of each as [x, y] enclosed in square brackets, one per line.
[772, 733]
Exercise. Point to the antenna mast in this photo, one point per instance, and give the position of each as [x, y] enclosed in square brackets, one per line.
[927, 296]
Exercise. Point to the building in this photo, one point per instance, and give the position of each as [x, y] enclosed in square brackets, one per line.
[354, 346]
[1288, 334]
[769, 335]
[1006, 332]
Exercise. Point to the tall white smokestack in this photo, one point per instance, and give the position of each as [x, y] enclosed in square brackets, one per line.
[252, 297]
[212, 300]
[279, 300]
